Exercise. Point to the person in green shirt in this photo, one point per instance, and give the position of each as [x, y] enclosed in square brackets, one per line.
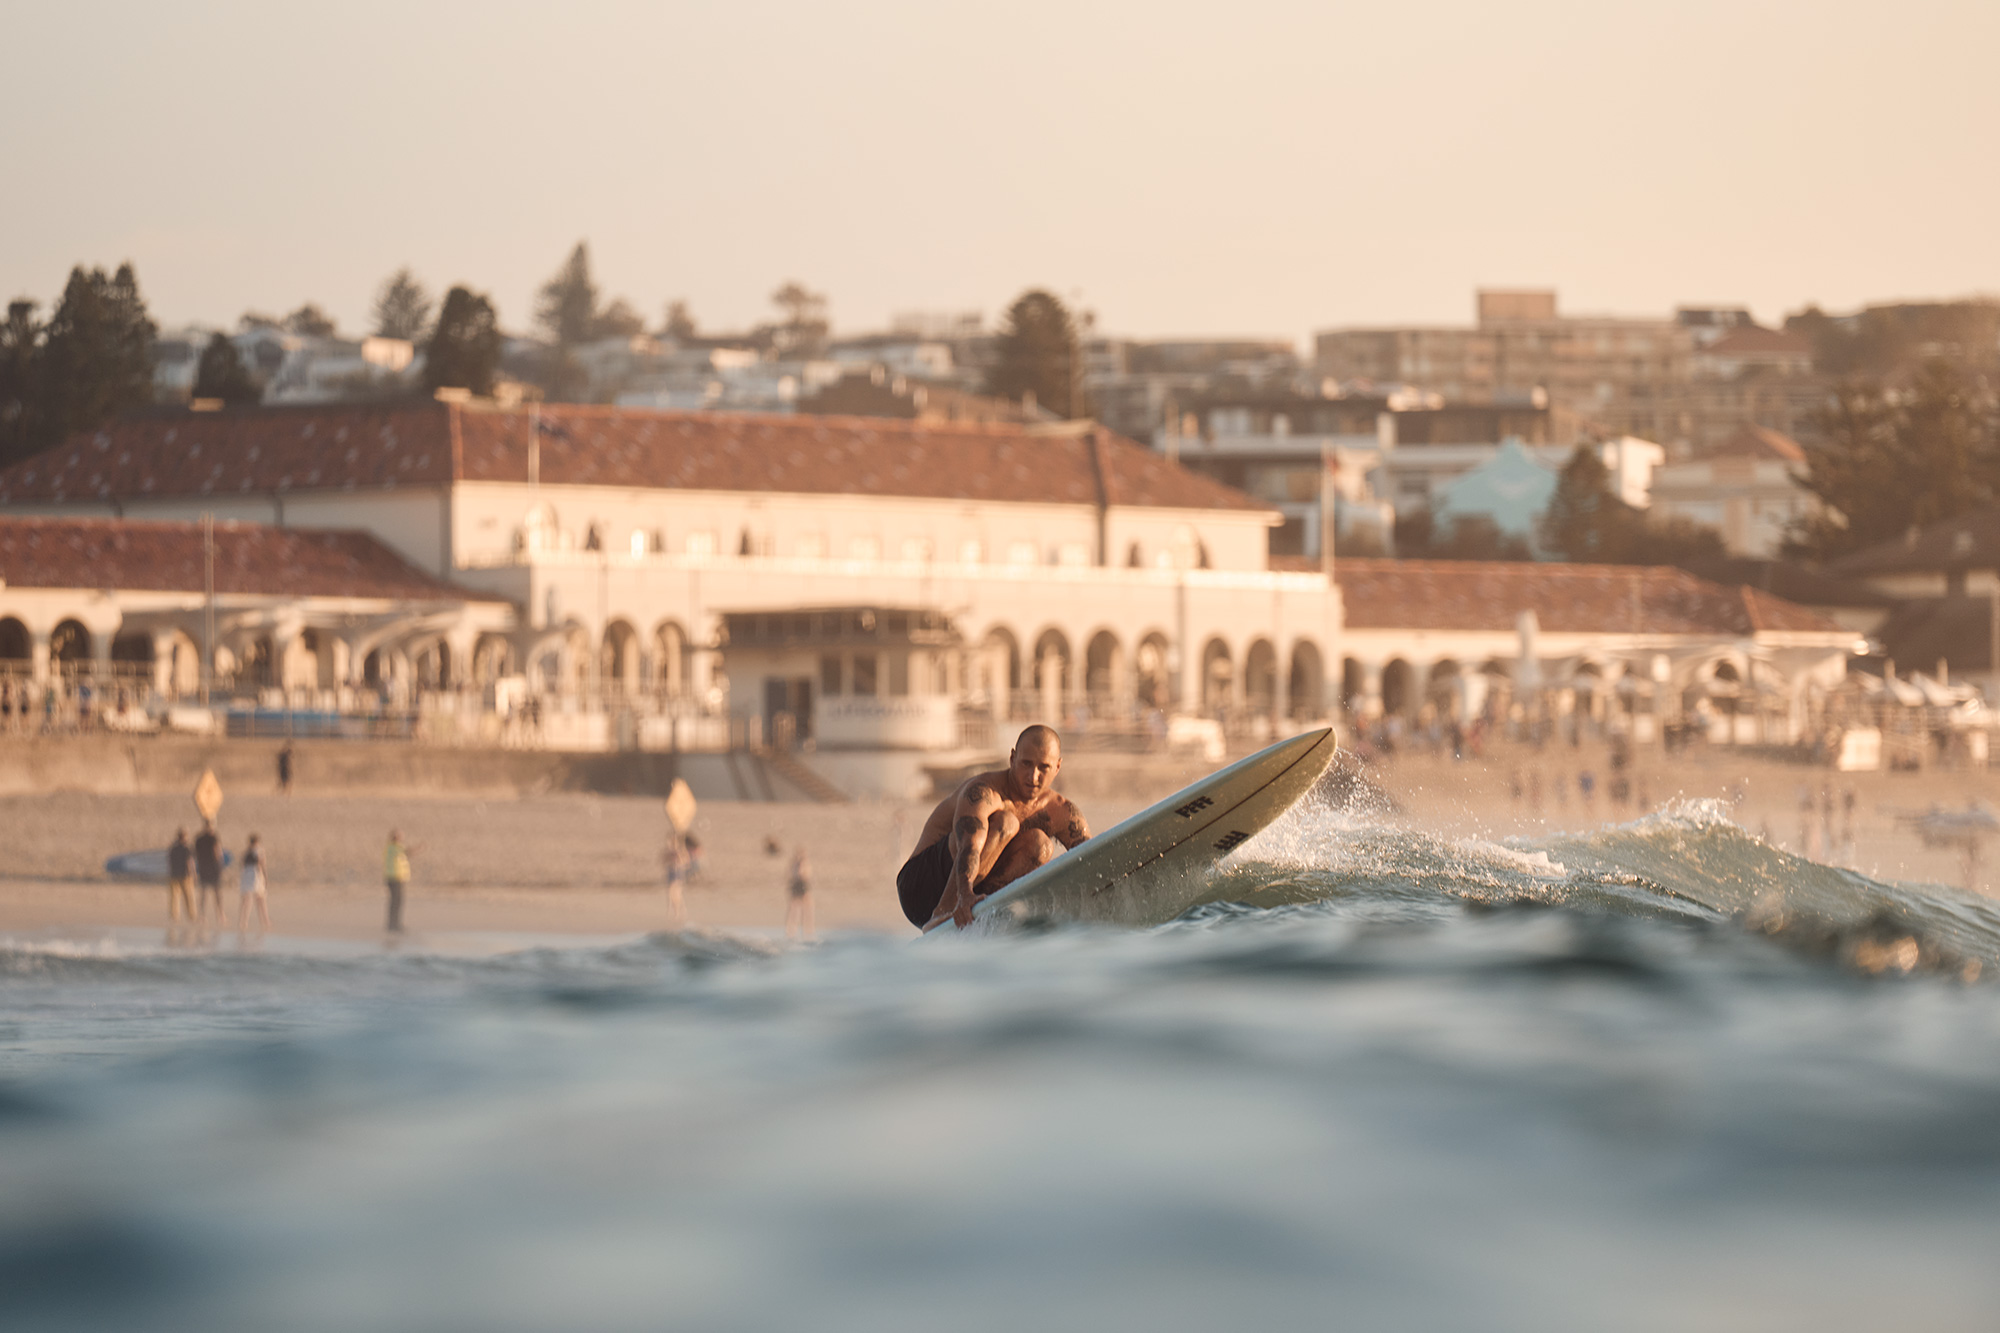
[396, 874]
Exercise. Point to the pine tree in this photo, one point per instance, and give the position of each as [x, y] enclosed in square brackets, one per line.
[464, 351]
[222, 374]
[1037, 353]
[402, 307]
[567, 310]
[97, 354]
[1584, 518]
[20, 381]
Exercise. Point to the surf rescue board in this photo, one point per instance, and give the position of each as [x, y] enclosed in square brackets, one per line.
[1156, 865]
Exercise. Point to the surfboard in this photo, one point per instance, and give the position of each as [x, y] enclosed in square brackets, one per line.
[151, 864]
[1155, 865]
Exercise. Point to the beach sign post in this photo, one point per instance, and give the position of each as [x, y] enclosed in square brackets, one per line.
[680, 807]
[208, 795]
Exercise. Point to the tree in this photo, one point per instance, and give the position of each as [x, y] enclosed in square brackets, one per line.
[1468, 537]
[464, 350]
[222, 374]
[402, 307]
[309, 321]
[802, 332]
[251, 320]
[1884, 463]
[20, 375]
[1587, 521]
[567, 309]
[619, 320]
[680, 322]
[1037, 354]
[96, 355]
[1584, 520]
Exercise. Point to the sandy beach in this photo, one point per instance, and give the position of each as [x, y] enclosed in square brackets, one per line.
[565, 863]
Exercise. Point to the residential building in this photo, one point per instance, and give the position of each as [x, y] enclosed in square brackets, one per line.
[1627, 376]
[1745, 488]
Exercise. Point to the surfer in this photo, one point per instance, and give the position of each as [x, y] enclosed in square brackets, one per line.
[994, 829]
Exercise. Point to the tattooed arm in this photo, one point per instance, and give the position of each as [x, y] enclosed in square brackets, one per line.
[1074, 830]
[1061, 820]
[976, 806]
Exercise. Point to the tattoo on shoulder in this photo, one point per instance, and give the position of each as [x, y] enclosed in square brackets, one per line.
[1076, 832]
[978, 792]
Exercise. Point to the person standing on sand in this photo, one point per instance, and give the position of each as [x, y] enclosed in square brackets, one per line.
[674, 861]
[251, 883]
[180, 877]
[799, 902]
[208, 869]
[396, 875]
[285, 770]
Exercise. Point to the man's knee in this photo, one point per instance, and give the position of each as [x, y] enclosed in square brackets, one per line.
[1039, 847]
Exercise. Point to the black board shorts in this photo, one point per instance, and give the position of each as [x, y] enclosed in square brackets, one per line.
[920, 883]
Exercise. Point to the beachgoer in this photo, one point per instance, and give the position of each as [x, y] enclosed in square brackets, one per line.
[180, 876]
[396, 874]
[798, 898]
[252, 884]
[285, 770]
[994, 829]
[674, 861]
[208, 868]
[694, 864]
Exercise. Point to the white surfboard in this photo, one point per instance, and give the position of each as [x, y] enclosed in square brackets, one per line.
[1155, 865]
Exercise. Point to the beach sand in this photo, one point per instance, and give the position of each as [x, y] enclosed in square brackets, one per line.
[590, 865]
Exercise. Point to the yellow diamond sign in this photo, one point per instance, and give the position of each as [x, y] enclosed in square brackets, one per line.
[680, 806]
[208, 795]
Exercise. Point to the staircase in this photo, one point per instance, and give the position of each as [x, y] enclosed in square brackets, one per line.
[789, 767]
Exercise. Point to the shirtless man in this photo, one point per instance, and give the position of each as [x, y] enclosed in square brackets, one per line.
[994, 829]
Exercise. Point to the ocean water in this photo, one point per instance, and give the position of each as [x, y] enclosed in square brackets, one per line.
[1658, 1076]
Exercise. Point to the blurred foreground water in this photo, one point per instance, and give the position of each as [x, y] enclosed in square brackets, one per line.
[1657, 1077]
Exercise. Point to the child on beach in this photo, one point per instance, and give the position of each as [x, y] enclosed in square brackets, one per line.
[798, 905]
[252, 884]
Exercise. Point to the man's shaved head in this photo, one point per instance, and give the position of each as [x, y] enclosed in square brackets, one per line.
[1041, 737]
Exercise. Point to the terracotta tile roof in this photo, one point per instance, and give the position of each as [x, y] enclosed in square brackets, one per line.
[265, 450]
[1758, 442]
[729, 451]
[249, 558]
[1616, 599]
[255, 450]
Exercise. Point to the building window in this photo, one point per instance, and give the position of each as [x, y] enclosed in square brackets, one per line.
[864, 675]
[899, 674]
[971, 551]
[1072, 553]
[1020, 553]
[701, 543]
[812, 545]
[917, 550]
[829, 675]
[865, 548]
[638, 542]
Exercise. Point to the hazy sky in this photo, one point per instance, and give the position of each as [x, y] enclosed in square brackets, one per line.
[1254, 166]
